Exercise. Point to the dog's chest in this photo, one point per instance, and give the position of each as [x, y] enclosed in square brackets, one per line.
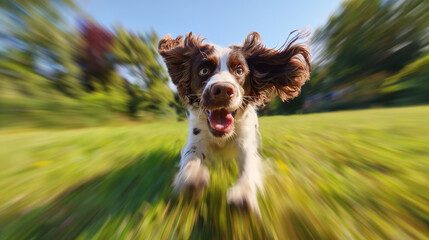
[222, 150]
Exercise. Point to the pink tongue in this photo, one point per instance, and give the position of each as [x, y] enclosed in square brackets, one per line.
[221, 119]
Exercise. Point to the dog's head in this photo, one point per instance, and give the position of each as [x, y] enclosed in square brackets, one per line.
[223, 80]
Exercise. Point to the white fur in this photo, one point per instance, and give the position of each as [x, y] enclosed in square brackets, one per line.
[223, 75]
[223, 54]
[244, 141]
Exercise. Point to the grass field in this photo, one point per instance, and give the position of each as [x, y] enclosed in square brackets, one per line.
[343, 175]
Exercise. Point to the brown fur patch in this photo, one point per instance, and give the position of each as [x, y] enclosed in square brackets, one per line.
[282, 71]
[179, 56]
[237, 59]
[205, 60]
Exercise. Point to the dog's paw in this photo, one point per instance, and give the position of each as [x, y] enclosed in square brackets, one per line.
[242, 196]
[194, 176]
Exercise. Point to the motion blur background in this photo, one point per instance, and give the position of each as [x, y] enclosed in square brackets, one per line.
[60, 67]
[91, 126]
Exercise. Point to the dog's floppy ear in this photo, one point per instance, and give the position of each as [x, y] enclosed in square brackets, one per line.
[177, 54]
[282, 71]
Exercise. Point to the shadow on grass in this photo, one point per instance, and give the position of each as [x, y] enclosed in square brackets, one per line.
[87, 207]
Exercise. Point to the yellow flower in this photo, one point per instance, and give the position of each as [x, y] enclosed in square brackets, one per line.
[282, 165]
[41, 163]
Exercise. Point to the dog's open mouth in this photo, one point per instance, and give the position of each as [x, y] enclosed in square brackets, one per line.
[221, 121]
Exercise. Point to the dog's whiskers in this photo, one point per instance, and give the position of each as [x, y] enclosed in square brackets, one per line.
[249, 97]
[200, 112]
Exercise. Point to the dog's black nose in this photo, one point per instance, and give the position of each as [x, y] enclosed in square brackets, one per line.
[222, 90]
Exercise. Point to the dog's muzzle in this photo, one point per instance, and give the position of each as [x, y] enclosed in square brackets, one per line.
[217, 101]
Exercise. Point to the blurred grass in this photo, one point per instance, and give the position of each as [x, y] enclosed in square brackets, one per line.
[357, 174]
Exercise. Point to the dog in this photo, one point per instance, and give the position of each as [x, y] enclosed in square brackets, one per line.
[222, 88]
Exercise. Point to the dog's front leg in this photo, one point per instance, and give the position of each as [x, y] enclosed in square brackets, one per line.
[244, 193]
[193, 174]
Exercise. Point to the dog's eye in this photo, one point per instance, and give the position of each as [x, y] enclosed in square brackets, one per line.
[239, 71]
[204, 71]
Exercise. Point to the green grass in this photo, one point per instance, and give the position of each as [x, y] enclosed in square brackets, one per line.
[343, 175]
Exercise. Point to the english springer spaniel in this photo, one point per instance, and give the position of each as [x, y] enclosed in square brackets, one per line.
[222, 88]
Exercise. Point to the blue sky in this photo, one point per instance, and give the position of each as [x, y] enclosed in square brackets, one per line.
[221, 22]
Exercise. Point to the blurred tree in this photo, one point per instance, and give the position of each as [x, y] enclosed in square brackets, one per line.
[95, 55]
[361, 45]
[414, 79]
[52, 73]
[37, 43]
[138, 54]
[371, 36]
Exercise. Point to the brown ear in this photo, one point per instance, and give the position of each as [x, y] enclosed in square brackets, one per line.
[282, 71]
[177, 54]
[166, 44]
